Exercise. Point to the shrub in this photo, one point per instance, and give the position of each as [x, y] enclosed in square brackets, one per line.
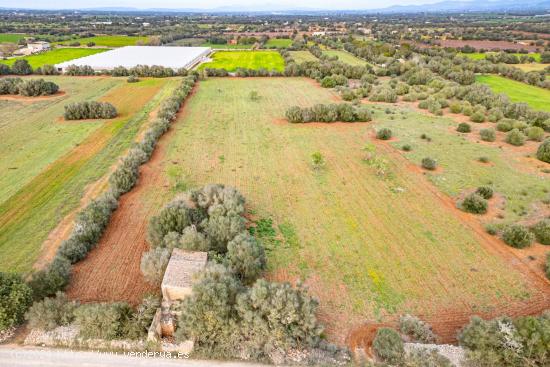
[174, 217]
[21, 67]
[153, 264]
[138, 326]
[328, 113]
[89, 110]
[543, 151]
[425, 357]
[416, 329]
[517, 236]
[103, 320]
[383, 94]
[132, 79]
[37, 87]
[245, 257]
[485, 192]
[487, 134]
[15, 299]
[477, 117]
[9, 85]
[535, 133]
[191, 239]
[388, 346]
[515, 137]
[384, 134]
[483, 159]
[294, 114]
[52, 279]
[504, 126]
[474, 203]
[429, 163]
[463, 128]
[547, 268]
[51, 312]
[328, 82]
[455, 107]
[542, 231]
[406, 148]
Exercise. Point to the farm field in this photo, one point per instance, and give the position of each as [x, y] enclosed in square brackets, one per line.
[55, 56]
[231, 60]
[346, 57]
[488, 45]
[278, 42]
[302, 56]
[109, 41]
[11, 37]
[47, 177]
[336, 226]
[482, 56]
[531, 67]
[225, 46]
[537, 98]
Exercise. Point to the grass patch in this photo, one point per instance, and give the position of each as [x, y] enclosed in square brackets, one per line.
[11, 37]
[231, 60]
[278, 43]
[55, 56]
[483, 56]
[346, 57]
[226, 46]
[537, 98]
[108, 41]
[302, 56]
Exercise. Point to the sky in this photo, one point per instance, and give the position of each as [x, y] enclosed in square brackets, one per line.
[209, 4]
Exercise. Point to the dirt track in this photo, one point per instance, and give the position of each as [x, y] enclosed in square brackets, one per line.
[111, 271]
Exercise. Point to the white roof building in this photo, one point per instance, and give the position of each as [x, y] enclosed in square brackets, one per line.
[130, 56]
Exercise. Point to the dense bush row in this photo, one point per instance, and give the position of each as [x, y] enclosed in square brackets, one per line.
[241, 72]
[95, 320]
[89, 110]
[328, 113]
[29, 87]
[507, 342]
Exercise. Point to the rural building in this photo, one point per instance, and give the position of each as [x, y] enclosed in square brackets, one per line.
[130, 56]
[178, 277]
[32, 48]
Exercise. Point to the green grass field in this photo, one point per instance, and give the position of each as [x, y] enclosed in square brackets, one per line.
[278, 42]
[231, 60]
[346, 57]
[108, 41]
[55, 56]
[531, 67]
[11, 37]
[482, 56]
[365, 245]
[226, 46]
[537, 98]
[302, 56]
[47, 162]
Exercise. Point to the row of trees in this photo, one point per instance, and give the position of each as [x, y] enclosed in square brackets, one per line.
[328, 113]
[29, 87]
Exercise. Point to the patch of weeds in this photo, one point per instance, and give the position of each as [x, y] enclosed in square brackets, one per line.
[289, 234]
[221, 159]
[265, 232]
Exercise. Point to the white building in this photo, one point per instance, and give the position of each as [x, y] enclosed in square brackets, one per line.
[130, 56]
[38, 46]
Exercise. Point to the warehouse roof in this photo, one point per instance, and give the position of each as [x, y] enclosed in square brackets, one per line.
[130, 56]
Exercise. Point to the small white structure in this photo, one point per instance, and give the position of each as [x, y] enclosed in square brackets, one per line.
[178, 277]
[38, 46]
[130, 56]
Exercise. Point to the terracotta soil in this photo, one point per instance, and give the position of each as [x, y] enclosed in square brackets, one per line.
[111, 271]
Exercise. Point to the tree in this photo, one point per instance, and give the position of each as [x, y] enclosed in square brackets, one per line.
[517, 236]
[51, 312]
[246, 257]
[15, 299]
[543, 151]
[388, 346]
[153, 264]
[21, 67]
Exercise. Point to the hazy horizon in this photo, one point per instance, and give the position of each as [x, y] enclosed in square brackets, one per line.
[212, 4]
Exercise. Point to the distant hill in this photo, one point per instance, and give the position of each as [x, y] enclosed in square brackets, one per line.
[452, 6]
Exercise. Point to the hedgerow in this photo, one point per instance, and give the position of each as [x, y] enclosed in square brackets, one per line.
[328, 113]
[89, 110]
[29, 87]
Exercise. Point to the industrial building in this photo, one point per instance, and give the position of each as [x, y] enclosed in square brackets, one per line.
[130, 56]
